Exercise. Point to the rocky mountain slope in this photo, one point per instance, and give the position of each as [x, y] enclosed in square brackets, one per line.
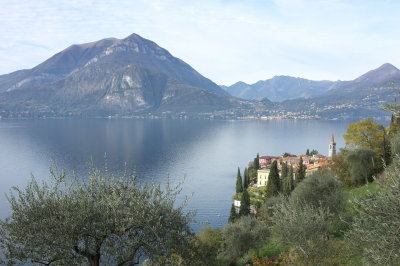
[111, 76]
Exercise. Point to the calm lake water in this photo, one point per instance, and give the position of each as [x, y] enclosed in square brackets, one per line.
[206, 153]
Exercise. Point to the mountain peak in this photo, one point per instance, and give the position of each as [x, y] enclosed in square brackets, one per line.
[388, 67]
[133, 37]
[382, 73]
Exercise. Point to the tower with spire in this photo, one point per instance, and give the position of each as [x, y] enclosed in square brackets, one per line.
[332, 148]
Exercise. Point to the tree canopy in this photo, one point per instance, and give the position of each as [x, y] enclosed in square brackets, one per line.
[274, 182]
[321, 189]
[245, 204]
[374, 235]
[367, 134]
[301, 171]
[362, 165]
[103, 218]
[239, 182]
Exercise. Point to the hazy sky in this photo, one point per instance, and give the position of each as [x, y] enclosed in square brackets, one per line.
[224, 40]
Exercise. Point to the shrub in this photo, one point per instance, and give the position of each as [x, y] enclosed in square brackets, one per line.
[320, 189]
[239, 237]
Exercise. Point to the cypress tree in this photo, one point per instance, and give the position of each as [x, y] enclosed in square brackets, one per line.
[239, 184]
[248, 177]
[245, 179]
[308, 152]
[284, 171]
[291, 175]
[288, 183]
[245, 204]
[257, 162]
[274, 183]
[301, 171]
[233, 215]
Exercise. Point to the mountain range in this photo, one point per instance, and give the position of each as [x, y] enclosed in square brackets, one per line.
[136, 77]
[279, 88]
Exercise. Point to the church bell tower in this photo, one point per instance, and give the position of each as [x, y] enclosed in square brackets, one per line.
[332, 148]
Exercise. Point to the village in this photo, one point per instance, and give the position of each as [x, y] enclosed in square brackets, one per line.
[311, 162]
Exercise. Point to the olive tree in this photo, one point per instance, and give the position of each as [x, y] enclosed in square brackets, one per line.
[321, 189]
[375, 234]
[362, 165]
[239, 237]
[304, 227]
[105, 219]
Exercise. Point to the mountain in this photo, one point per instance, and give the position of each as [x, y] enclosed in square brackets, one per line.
[279, 88]
[136, 77]
[358, 98]
[111, 76]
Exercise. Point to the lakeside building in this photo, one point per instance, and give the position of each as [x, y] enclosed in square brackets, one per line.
[312, 163]
[262, 176]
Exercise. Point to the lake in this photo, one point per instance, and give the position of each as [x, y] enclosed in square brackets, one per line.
[205, 153]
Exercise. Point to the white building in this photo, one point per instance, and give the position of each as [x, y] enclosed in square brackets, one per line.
[262, 176]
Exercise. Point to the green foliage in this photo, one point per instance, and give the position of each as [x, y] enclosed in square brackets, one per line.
[246, 179]
[245, 204]
[241, 236]
[362, 164]
[320, 189]
[266, 211]
[288, 182]
[233, 215]
[256, 163]
[361, 192]
[206, 245]
[101, 217]
[305, 228]
[369, 135]
[290, 172]
[341, 168]
[375, 230]
[313, 152]
[239, 183]
[274, 182]
[284, 171]
[272, 248]
[395, 144]
[301, 171]
[308, 152]
[252, 173]
[257, 196]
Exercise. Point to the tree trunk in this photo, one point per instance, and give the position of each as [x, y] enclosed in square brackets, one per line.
[94, 260]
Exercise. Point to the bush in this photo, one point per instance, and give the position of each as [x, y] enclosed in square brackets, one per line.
[267, 208]
[320, 189]
[206, 245]
[375, 235]
[395, 144]
[305, 228]
[241, 236]
[362, 164]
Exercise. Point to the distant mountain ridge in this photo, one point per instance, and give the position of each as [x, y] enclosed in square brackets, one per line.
[111, 76]
[358, 98]
[279, 88]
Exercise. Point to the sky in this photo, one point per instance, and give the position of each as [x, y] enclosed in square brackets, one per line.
[225, 40]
